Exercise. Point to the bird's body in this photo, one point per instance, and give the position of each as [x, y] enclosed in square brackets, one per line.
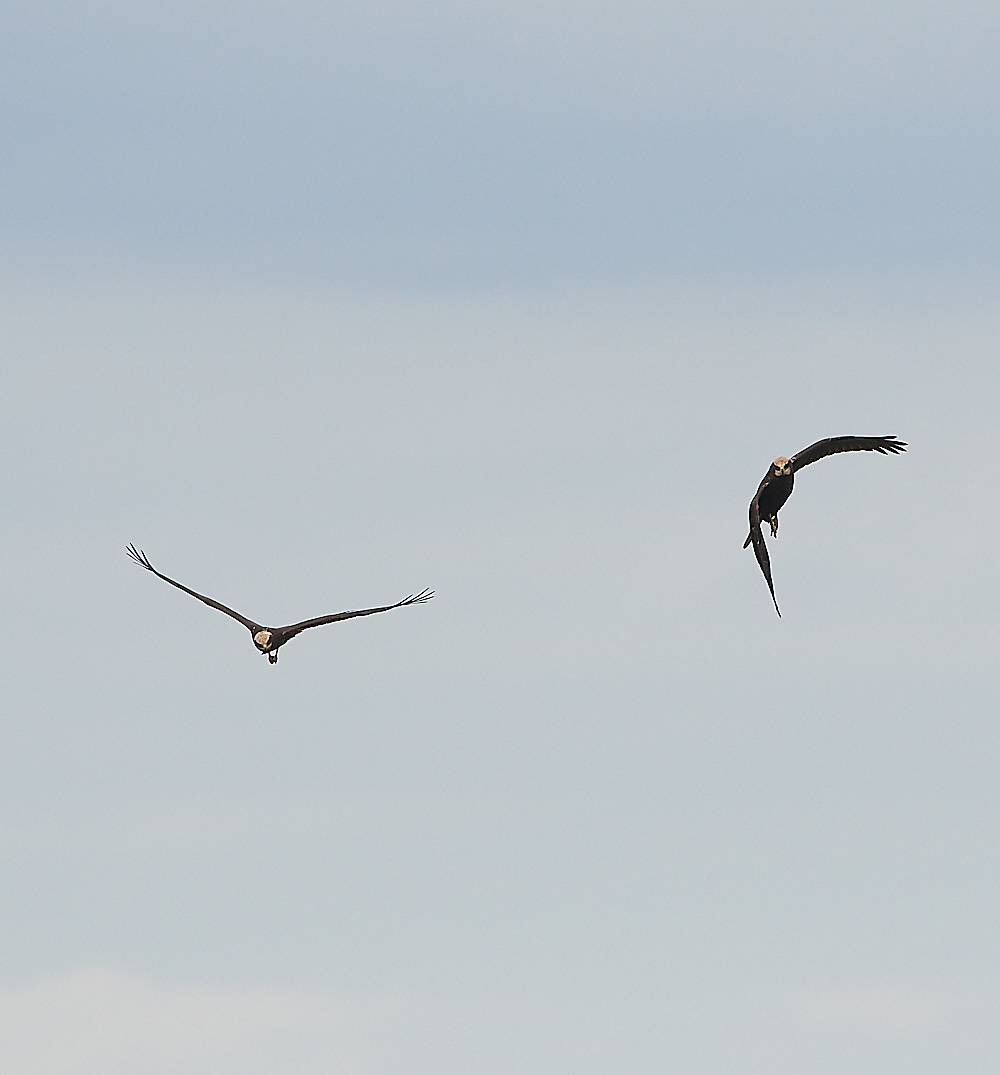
[772, 493]
[776, 487]
[270, 639]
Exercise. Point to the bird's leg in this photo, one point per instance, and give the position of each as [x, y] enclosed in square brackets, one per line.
[273, 657]
[774, 525]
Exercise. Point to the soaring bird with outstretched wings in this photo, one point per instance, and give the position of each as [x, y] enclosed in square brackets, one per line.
[270, 639]
[776, 487]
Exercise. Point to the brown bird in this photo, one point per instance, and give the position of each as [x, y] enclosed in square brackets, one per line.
[270, 639]
[776, 487]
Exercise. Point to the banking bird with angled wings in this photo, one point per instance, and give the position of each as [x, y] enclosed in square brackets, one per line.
[776, 487]
[270, 639]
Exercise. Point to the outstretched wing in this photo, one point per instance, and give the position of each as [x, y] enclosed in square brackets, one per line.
[140, 558]
[760, 549]
[295, 628]
[833, 445]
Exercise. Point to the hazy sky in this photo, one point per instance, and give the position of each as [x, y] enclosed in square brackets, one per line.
[320, 306]
[470, 143]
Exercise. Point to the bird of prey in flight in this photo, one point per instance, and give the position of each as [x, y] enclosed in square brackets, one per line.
[270, 639]
[776, 487]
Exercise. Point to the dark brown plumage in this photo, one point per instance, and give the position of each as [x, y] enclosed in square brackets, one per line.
[776, 487]
[270, 639]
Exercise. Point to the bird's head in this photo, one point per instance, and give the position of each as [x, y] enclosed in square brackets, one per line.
[262, 639]
[782, 467]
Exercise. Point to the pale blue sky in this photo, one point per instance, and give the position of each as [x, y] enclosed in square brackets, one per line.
[322, 307]
[453, 144]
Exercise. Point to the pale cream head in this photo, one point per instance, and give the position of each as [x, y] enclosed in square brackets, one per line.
[783, 465]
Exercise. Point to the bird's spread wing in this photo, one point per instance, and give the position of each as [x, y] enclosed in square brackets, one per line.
[140, 558]
[295, 628]
[760, 549]
[833, 445]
